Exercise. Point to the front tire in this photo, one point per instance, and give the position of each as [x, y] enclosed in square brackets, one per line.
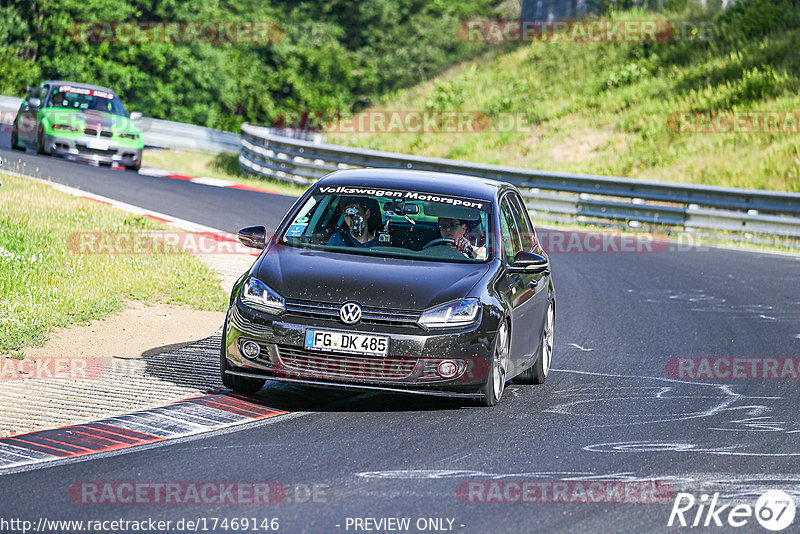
[15, 140]
[40, 142]
[240, 384]
[498, 369]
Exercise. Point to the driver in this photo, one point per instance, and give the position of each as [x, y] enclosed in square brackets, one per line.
[362, 219]
[454, 229]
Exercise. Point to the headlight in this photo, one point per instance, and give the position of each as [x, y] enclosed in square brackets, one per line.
[457, 313]
[257, 294]
[64, 127]
[135, 137]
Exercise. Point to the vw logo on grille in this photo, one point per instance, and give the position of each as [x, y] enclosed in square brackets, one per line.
[350, 313]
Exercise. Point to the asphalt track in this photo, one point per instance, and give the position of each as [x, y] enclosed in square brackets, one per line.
[608, 412]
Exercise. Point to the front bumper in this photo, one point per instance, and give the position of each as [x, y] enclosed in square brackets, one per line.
[410, 366]
[361, 387]
[104, 150]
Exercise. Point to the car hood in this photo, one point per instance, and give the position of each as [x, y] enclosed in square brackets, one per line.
[321, 276]
[99, 120]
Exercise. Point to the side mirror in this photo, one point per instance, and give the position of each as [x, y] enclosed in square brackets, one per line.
[136, 115]
[34, 103]
[529, 262]
[253, 236]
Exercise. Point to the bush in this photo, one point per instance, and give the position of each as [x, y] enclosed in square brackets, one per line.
[337, 55]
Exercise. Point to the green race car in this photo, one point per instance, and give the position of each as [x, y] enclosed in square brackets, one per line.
[78, 121]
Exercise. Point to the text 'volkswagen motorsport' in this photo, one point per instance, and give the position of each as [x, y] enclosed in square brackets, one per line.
[395, 280]
[78, 121]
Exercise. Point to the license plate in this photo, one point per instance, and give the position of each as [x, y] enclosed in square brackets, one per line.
[350, 342]
[99, 145]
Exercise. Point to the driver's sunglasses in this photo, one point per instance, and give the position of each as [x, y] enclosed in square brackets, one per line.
[450, 226]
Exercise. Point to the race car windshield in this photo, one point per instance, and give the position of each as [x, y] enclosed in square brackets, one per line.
[80, 99]
[399, 224]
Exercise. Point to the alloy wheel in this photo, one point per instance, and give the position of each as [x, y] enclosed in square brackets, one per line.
[500, 360]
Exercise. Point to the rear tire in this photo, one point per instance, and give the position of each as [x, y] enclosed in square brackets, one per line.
[537, 373]
[240, 384]
[498, 369]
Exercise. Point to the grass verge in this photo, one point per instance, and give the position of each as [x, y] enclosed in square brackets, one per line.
[44, 285]
[610, 108]
[224, 166]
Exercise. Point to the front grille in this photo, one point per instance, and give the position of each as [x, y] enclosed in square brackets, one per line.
[324, 310]
[344, 366]
[98, 151]
[93, 131]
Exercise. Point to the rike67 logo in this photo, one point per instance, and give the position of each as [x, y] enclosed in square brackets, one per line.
[774, 510]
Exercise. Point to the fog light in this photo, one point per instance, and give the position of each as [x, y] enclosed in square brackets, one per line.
[251, 349]
[447, 369]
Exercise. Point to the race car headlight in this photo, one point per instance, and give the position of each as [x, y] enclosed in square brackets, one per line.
[64, 127]
[457, 313]
[259, 295]
[135, 137]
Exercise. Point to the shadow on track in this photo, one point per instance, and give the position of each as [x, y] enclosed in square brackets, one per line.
[197, 365]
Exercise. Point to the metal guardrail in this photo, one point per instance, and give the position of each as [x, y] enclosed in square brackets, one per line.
[181, 136]
[159, 133]
[584, 197]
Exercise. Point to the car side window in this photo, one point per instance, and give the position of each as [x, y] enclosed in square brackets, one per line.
[509, 231]
[527, 233]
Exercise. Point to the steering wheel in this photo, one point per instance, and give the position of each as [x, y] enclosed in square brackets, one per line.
[448, 242]
[439, 241]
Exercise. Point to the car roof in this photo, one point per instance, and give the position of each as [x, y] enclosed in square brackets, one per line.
[59, 83]
[431, 182]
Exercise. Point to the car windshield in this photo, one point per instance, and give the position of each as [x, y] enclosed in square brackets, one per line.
[393, 223]
[79, 98]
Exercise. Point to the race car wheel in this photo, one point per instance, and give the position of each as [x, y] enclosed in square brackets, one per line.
[240, 384]
[40, 141]
[537, 373]
[496, 381]
[15, 140]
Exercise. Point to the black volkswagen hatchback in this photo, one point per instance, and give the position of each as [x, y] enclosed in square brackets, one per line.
[395, 280]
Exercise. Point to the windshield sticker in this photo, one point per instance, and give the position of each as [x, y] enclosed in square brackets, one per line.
[82, 91]
[405, 195]
[301, 220]
[296, 230]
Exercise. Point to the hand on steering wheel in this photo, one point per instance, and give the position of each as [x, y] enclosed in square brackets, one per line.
[463, 245]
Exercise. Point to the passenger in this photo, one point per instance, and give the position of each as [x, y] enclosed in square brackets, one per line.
[361, 224]
[455, 229]
[58, 100]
